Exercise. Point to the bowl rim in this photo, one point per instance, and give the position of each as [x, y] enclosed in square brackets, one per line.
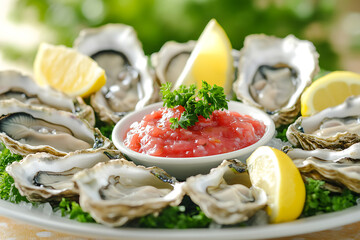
[265, 118]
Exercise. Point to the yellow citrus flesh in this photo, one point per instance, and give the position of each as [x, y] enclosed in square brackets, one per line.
[210, 61]
[328, 91]
[67, 70]
[274, 172]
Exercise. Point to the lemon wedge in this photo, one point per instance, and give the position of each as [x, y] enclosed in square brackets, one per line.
[67, 70]
[328, 91]
[274, 172]
[210, 61]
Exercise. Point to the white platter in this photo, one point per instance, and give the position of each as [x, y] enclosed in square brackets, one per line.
[93, 230]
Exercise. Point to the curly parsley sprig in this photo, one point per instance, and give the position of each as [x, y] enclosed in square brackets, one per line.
[73, 210]
[197, 103]
[319, 200]
[8, 191]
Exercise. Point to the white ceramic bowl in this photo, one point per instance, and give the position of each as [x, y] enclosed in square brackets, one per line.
[181, 168]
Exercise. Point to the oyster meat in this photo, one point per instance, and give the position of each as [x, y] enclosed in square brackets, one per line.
[13, 84]
[337, 168]
[45, 177]
[130, 85]
[225, 194]
[26, 129]
[273, 73]
[334, 128]
[118, 191]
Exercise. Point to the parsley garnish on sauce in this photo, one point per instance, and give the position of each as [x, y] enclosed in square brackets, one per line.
[197, 103]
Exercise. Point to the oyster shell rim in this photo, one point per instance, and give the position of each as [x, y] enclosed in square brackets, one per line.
[42, 92]
[24, 149]
[320, 163]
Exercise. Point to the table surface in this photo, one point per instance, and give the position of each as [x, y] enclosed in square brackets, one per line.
[14, 230]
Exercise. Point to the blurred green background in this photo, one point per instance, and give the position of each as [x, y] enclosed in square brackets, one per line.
[333, 26]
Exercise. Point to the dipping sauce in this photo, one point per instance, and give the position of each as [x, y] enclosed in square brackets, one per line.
[223, 132]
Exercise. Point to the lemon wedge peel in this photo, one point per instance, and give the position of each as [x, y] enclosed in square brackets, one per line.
[210, 61]
[67, 70]
[329, 91]
[274, 172]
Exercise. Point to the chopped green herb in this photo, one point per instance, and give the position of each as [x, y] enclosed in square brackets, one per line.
[74, 211]
[186, 215]
[6, 157]
[319, 200]
[180, 217]
[197, 103]
[8, 191]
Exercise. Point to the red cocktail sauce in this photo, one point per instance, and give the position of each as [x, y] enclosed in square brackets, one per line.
[223, 132]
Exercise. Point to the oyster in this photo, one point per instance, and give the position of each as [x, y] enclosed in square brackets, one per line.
[273, 73]
[336, 168]
[130, 85]
[118, 191]
[13, 84]
[170, 61]
[224, 194]
[334, 128]
[44, 177]
[26, 129]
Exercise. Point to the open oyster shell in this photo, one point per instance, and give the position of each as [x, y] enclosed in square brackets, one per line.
[44, 177]
[334, 128]
[336, 168]
[130, 85]
[14, 84]
[118, 191]
[273, 73]
[170, 61]
[224, 194]
[26, 129]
